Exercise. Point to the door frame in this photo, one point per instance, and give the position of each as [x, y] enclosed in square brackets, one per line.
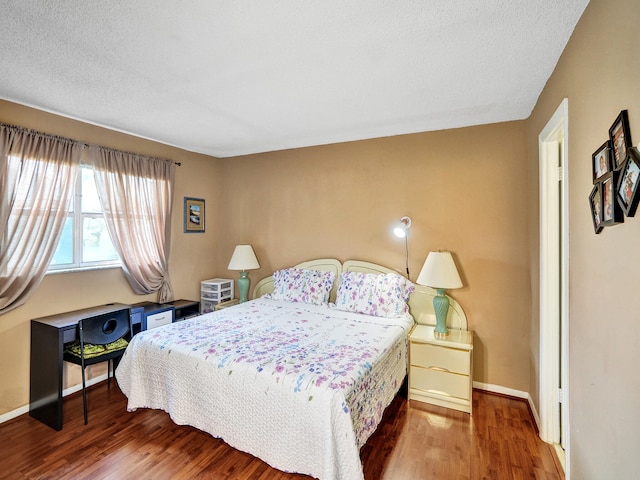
[554, 277]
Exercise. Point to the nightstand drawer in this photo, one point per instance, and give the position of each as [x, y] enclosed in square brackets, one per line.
[430, 380]
[450, 359]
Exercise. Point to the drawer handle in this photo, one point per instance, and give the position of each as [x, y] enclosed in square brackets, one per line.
[439, 369]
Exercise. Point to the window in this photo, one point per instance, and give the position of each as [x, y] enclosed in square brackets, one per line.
[85, 242]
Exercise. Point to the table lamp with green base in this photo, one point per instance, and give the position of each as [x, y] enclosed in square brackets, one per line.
[439, 271]
[243, 259]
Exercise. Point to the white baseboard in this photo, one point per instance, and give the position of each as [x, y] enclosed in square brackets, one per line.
[512, 393]
[5, 417]
[488, 387]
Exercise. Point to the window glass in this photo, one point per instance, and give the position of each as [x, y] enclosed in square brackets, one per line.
[85, 242]
[90, 200]
[64, 252]
[96, 244]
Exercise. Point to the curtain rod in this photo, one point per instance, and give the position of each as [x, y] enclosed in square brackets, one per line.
[87, 145]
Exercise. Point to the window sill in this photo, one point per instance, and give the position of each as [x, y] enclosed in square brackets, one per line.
[82, 269]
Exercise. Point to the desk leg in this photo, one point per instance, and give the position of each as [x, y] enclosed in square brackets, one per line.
[45, 395]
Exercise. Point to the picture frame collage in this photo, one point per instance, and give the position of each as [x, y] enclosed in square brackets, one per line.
[615, 168]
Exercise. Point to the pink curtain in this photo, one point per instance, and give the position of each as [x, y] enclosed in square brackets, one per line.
[136, 194]
[37, 176]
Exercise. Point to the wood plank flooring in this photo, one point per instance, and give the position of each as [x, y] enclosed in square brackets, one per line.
[498, 442]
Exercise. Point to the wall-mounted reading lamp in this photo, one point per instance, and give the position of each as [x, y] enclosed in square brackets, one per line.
[402, 231]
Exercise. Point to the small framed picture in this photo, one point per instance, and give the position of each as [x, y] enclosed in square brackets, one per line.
[628, 183]
[595, 202]
[611, 210]
[193, 215]
[601, 161]
[620, 138]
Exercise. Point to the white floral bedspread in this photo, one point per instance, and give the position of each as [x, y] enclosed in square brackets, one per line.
[300, 386]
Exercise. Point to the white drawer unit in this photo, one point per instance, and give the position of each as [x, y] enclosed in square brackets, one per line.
[214, 296]
[213, 292]
[441, 369]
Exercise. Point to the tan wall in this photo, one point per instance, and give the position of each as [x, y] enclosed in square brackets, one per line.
[465, 191]
[193, 256]
[599, 73]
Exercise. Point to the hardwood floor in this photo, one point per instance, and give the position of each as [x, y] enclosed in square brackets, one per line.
[498, 442]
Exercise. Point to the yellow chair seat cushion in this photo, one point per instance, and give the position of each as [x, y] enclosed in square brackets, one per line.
[92, 350]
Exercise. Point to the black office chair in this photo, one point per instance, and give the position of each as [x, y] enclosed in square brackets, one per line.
[102, 338]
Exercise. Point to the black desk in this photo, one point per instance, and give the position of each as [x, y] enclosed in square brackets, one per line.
[182, 309]
[48, 336]
[185, 309]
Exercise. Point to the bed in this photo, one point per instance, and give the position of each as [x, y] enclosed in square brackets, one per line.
[300, 376]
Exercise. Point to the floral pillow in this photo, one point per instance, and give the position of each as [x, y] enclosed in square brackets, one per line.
[380, 295]
[298, 285]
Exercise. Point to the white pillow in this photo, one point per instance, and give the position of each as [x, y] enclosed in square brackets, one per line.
[299, 285]
[380, 295]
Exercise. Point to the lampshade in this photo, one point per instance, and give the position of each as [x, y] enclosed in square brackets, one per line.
[439, 271]
[243, 258]
[401, 229]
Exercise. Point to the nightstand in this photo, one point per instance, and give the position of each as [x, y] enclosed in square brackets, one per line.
[441, 369]
[228, 303]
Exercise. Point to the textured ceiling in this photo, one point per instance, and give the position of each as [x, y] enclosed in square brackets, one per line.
[232, 77]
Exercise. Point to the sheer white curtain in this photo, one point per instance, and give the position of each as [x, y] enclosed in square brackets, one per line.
[37, 176]
[136, 194]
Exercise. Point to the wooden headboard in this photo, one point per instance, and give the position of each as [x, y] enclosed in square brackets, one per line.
[420, 301]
